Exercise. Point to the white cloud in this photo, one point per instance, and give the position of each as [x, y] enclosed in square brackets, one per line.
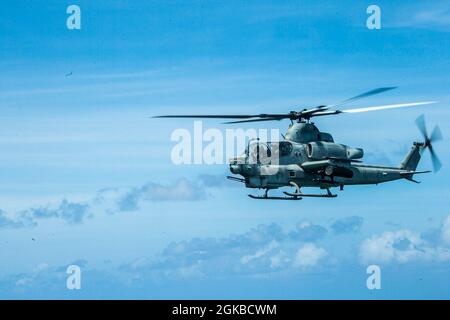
[7, 222]
[112, 200]
[445, 231]
[181, 190]
[308, 232]
[434, 16]
[308, 256]
[400, 246]
[279, 260]
[347, 225]
[406, 246]
[259, 253]
[41, 267]
[71, 212]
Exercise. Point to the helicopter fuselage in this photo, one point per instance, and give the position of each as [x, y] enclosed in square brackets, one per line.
[310, 158]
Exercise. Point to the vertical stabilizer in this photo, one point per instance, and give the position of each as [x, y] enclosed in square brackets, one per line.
[413, 157]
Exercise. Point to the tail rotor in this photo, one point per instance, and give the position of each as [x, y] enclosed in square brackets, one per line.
[436, 135]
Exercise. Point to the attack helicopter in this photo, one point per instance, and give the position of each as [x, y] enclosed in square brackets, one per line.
[308, 157]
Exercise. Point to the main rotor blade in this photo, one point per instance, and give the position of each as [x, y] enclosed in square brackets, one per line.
[255, 120]
[217, 116]
[389, 106]
[230, 116]
[365, 95]
[420, 123]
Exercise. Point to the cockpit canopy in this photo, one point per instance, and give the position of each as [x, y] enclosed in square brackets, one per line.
[258, 152]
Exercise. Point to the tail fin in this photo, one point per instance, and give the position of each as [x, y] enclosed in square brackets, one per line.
[413, 157]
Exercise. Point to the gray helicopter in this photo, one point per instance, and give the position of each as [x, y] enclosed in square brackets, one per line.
[308, 157]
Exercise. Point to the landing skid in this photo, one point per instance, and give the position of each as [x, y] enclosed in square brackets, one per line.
[267, 197]
[264, 197]
[327, 195]
[298, 193]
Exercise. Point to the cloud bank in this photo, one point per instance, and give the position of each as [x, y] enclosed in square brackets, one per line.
[131, 199]
[262, 250]
[405, 246]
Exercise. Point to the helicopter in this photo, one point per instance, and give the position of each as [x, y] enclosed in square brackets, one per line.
[308, 157]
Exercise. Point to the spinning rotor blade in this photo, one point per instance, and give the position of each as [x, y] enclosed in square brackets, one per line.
[389, 106]
[254, 120]
[259, 117]
[218, 116]
[420, 123]
[306, 114]
[434, 159]
[436, 135]
[369, 93]
[364, 95]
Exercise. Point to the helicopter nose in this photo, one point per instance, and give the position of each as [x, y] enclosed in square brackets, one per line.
[235, 168]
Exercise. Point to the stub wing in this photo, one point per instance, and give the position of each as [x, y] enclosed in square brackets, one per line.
[330, 167]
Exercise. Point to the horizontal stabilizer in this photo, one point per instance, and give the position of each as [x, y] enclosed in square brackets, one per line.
[408, 175]
[411, 173]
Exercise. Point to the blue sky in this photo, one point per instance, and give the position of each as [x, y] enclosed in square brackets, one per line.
[84, 167]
